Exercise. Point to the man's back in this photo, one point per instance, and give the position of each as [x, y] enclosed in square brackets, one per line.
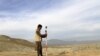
[37, 37]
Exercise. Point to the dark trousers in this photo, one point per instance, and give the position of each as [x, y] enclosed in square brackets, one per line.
[39, 48]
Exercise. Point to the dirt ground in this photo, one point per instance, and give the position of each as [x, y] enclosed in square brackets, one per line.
[60, 54]
[55, 52]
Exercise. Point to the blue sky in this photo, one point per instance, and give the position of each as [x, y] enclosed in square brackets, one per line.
[31, 5]
[66, 19]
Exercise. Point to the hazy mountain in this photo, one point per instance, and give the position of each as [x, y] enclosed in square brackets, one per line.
[70, 42]
[84, 38]
[57, 42]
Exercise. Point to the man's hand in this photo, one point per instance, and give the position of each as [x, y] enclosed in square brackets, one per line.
[45, 31]
[46, 27]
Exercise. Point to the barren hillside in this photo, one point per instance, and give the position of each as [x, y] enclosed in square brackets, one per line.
[12, 44]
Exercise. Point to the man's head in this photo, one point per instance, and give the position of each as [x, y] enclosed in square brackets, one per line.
[39, 26]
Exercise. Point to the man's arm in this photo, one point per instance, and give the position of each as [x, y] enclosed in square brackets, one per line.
[44, 35]
[41, 35]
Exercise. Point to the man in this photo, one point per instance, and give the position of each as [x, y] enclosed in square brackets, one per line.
[38, 39]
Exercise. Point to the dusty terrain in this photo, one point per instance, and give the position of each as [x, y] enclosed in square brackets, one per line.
[73, 50]
[18, 47]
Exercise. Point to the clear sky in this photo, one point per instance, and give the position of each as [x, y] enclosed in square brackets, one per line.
[66, 19]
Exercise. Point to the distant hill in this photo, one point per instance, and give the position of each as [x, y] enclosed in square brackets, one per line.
[57, 42]
[12, 44]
